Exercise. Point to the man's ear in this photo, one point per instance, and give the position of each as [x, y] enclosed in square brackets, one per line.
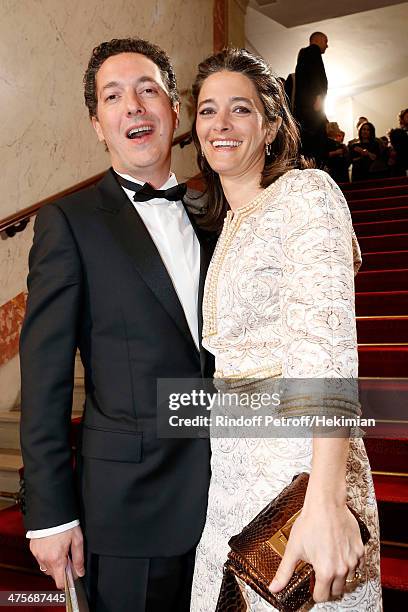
[176, 110]
[97, 127]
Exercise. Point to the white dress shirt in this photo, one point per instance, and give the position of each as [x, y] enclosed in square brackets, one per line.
[171, 231]
[175, 239]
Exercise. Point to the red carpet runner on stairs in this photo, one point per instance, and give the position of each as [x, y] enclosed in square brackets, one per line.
[379, 210]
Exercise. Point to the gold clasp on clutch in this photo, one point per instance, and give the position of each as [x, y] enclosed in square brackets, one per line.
[279, 539]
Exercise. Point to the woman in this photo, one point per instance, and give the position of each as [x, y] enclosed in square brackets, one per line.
[279, 301]
[366, 155]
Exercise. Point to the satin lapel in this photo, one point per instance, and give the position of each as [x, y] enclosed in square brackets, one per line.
[133, 237]
[206, 251]
[204, 259]
[207, 244]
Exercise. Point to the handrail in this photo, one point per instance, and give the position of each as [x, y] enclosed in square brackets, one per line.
[18, 221]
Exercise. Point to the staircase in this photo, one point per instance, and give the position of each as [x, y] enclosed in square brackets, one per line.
[18, 569]
[10, 454]
[379, 210]
[380, 216]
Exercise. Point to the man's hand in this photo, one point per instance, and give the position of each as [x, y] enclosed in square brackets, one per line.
[52, 551]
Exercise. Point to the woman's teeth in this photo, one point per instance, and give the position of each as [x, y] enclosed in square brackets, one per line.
[226, 143]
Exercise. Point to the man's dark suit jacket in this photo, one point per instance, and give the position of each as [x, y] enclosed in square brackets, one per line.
[97, 282]
[311, 79]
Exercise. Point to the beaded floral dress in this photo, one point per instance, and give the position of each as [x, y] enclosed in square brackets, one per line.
[279, 299]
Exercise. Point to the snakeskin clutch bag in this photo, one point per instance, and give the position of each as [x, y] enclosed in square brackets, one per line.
[257, 551]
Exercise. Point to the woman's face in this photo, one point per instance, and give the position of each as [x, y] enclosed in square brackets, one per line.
[365, 133]
[231, 124]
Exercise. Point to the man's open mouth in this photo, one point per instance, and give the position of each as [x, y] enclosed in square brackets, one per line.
[139, 132]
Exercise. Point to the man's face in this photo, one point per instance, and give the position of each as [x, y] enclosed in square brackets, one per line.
[322, 42]
[404, 120]
[135, 117]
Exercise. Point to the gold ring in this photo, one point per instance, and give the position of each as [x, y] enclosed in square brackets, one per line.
[43, 569]
[357, 576]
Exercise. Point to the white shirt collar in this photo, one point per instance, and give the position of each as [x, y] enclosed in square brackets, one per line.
[171, 181]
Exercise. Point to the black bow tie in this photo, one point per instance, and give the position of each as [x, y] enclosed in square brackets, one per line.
[145, 192]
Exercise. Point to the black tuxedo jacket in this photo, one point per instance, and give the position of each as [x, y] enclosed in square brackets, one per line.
[311, 79]
[97, 282]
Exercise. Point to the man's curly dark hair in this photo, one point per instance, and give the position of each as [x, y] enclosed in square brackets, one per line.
[127, 45]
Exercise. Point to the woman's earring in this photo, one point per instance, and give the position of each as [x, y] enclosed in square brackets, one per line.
[268, 148]
[202, 154]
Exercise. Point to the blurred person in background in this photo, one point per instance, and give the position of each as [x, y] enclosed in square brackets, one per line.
[360, 122]
[403, 119]
[366, 155]
[398, 158]
[337, 160]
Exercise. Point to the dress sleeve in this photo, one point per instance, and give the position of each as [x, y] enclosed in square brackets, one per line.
[320, 255]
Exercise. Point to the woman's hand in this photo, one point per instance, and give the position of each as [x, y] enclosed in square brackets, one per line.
[328, 537]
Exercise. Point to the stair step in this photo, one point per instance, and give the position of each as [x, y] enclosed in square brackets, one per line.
[6, 502]
[395, 260]
[374, 193]
[394, 601]
[373, 204]
[385, 400]
[14, 549]
[381, 244]
[392, 499]
[387, 454]
[383, 360]
[10, 430]
[379, 214]
[382, 329]
[382, 280]
[10, 424]
[381, 228]
[11, 580]
[394, 568]
[391, 489]
[389, 303]
[372, 183]
[10, 463]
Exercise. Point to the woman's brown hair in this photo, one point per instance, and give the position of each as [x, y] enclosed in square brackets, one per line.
[284, 154]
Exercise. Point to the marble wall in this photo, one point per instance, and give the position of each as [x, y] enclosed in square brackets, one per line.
[47, 143]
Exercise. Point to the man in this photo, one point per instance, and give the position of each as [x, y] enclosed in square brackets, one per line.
[290, 90]
[311, 90]
[398, 152]
[117, 270]
[403, 119]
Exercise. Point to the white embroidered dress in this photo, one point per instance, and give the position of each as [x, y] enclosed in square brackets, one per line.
[279, 296]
